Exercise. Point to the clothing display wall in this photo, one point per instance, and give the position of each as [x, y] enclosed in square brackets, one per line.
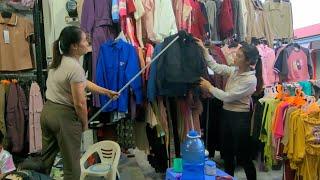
[294, 63]
[21, 105]
[164, 96]
[288, 126]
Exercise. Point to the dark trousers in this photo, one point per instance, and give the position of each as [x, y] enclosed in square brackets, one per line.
[235, 142]
[61, 131]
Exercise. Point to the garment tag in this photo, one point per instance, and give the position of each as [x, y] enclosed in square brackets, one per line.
[6, 36]
[210, 72]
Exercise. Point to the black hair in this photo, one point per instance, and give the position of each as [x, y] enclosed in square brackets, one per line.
[1, 137]
[68, 36]
[250, 52]
[252, 55]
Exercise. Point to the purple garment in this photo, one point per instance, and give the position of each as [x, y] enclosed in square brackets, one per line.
[17, 117]
[96, 20]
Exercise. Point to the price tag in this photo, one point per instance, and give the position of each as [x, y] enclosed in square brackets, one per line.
[6, 36]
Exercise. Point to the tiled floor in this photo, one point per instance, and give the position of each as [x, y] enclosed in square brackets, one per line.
[138, 168]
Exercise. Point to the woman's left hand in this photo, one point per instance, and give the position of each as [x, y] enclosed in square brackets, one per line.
[112, 94]
[205, 85]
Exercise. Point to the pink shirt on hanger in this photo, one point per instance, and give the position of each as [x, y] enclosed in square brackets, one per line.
[268, 59]
[298, 66]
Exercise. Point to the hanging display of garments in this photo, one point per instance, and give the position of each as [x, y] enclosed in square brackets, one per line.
[294, 63]
[17, 116]
[119, 61]
[212, 19]
[258, 24]
[163, 12]
[16, 32]
[268, 59]
[35, 109]
[280, 18]
[96, 20]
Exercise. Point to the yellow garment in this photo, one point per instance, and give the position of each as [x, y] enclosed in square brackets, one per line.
[310, 168]
[312, 136]
[294, 133]
[303, 147]
[285, 138]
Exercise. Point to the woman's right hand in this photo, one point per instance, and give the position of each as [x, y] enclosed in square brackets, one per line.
[200, 43]
[205, 85]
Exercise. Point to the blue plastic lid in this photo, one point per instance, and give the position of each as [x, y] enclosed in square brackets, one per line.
[193, 134]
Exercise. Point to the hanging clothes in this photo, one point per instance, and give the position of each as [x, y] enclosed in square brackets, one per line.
[149, 53]
[16, 32]
[206, 23]
[117, 64]
[258, 24]
[226, 19]
[198, 21]
[219, 81]
[35, 109]
[147, 19]
[180, 66]
[280, 17]
[238, 18]
[182, 10]
[163, 12]
[294, 64]
[230, 53]
[212, 19]
[96, 20]
[152, 91]
[17, 117]
[268, 59]
[138, 17]
[125, 133]
[2, 113]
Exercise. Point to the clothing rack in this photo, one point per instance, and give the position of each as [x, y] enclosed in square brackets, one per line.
[138, 74]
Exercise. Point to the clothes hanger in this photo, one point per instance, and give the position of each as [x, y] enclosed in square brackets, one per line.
[121, 36]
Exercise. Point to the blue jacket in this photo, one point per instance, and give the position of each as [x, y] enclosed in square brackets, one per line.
[117, 64]
[152, 85]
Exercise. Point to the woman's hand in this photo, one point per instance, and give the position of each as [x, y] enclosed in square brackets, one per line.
[205, 85]
[112, 94]
[200, 43]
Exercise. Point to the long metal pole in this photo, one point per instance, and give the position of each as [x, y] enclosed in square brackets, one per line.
[131, 80]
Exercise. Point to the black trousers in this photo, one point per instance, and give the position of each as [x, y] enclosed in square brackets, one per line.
[235, 142]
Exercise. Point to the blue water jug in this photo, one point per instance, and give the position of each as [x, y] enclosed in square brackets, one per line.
[193, 157]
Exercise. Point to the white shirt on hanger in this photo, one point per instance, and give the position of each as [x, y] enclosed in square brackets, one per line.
[164, 20]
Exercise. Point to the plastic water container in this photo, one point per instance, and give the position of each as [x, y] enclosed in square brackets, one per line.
[193, 157]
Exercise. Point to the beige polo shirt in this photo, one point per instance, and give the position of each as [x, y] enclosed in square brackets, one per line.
[280, 18]
[15, 51]
[239, 88]
[258, 24]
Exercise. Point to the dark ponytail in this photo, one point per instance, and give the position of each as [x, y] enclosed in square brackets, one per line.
[251, 53]
[57, 57]
[68, 36]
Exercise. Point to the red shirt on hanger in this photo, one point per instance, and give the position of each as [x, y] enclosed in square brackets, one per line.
[198, 20]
